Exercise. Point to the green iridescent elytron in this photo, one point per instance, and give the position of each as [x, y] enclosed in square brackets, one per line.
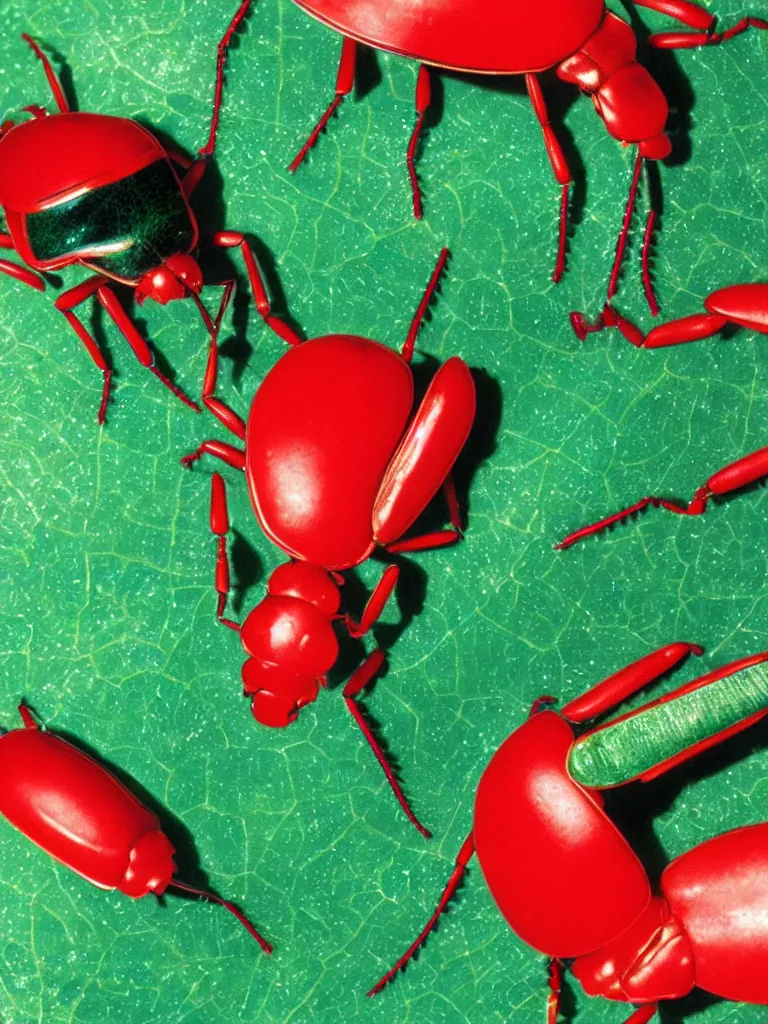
[146, 208]
[620, 752]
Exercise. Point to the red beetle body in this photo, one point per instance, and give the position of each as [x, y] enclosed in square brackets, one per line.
[334, 469]
[102, 192]
[567, 881]
[81, 814]
[582, 42]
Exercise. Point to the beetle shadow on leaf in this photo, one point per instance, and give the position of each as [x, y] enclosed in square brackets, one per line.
[247, 566]
[480, 445]
[681, 1011]
[634, 808]
[186, 856]
[367, 71]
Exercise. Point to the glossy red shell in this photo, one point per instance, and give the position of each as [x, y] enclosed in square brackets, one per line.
[467, 35]
[307, 583]
[291, 633]
[719, 891]
[744, 304]
[561, 873]
[322, 430]
[81, 814]
[47, 159]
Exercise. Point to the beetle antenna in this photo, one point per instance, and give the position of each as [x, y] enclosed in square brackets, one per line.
[50, 74]
[410, 341]
[213, 898]
[626, 225]
[464, 857]
[221, 59]
[29, 720]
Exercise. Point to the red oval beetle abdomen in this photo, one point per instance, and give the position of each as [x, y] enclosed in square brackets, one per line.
[536, 830]
[322, 430]
[80, 813]
[725, 911]
[483, 36]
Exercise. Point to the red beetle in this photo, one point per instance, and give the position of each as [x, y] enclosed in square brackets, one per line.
[738, 474]
[582, 42]
[567, 881]
[80, 813]
[334, 470]
[102, 192]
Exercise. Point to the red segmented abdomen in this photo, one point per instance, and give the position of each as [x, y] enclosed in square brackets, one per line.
[719, 892]
[71, 806]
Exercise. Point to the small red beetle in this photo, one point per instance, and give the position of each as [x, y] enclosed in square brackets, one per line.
[738, 474]
[80, 813]
[586, 45]
[569, 884]
[102, 192]
[334, 469]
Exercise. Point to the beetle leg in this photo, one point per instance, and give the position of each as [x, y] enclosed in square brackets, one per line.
[228, 417]
[688, 328]
[228, 905]
[623, 684]
[437, 538]
[219, 522]
[235, 239]
[429, 292]
[642, 1014]
[50, 74]
[108, 300]
[559, 166]
[555, 983]
[698, 18]
[735, 475]
[219, 450]
[20, 273]
[375, 604]
[65, 304]
[463, 859]
[221, 57]
[423, 100]
[359, 680]
[345, 81]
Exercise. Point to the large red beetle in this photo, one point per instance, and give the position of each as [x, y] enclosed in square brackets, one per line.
[582, 42]
[742, 473]
[80, 813]
[567, 881]
[102, 192]
[336, 464]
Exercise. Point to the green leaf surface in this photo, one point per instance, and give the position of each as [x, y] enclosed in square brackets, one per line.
[106, 563]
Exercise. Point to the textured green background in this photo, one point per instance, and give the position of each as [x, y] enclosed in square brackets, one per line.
[107, 603]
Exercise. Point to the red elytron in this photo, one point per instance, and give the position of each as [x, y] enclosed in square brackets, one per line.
[567, 881]
[740, 305]
[103, 193]
[582, 42]
[738, 474]
[337, 464]
[80, 813]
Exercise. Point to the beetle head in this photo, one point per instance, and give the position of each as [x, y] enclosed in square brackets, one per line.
[150, 866]
[650, 960]
[175, 279]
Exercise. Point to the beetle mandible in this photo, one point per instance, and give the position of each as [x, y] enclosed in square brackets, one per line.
[80, 813]
[582, 42]
[103, 192]
[334, 469]
[567, 881]
[745, 471]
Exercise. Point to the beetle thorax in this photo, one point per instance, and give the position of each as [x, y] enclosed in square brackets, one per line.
[650, 960]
